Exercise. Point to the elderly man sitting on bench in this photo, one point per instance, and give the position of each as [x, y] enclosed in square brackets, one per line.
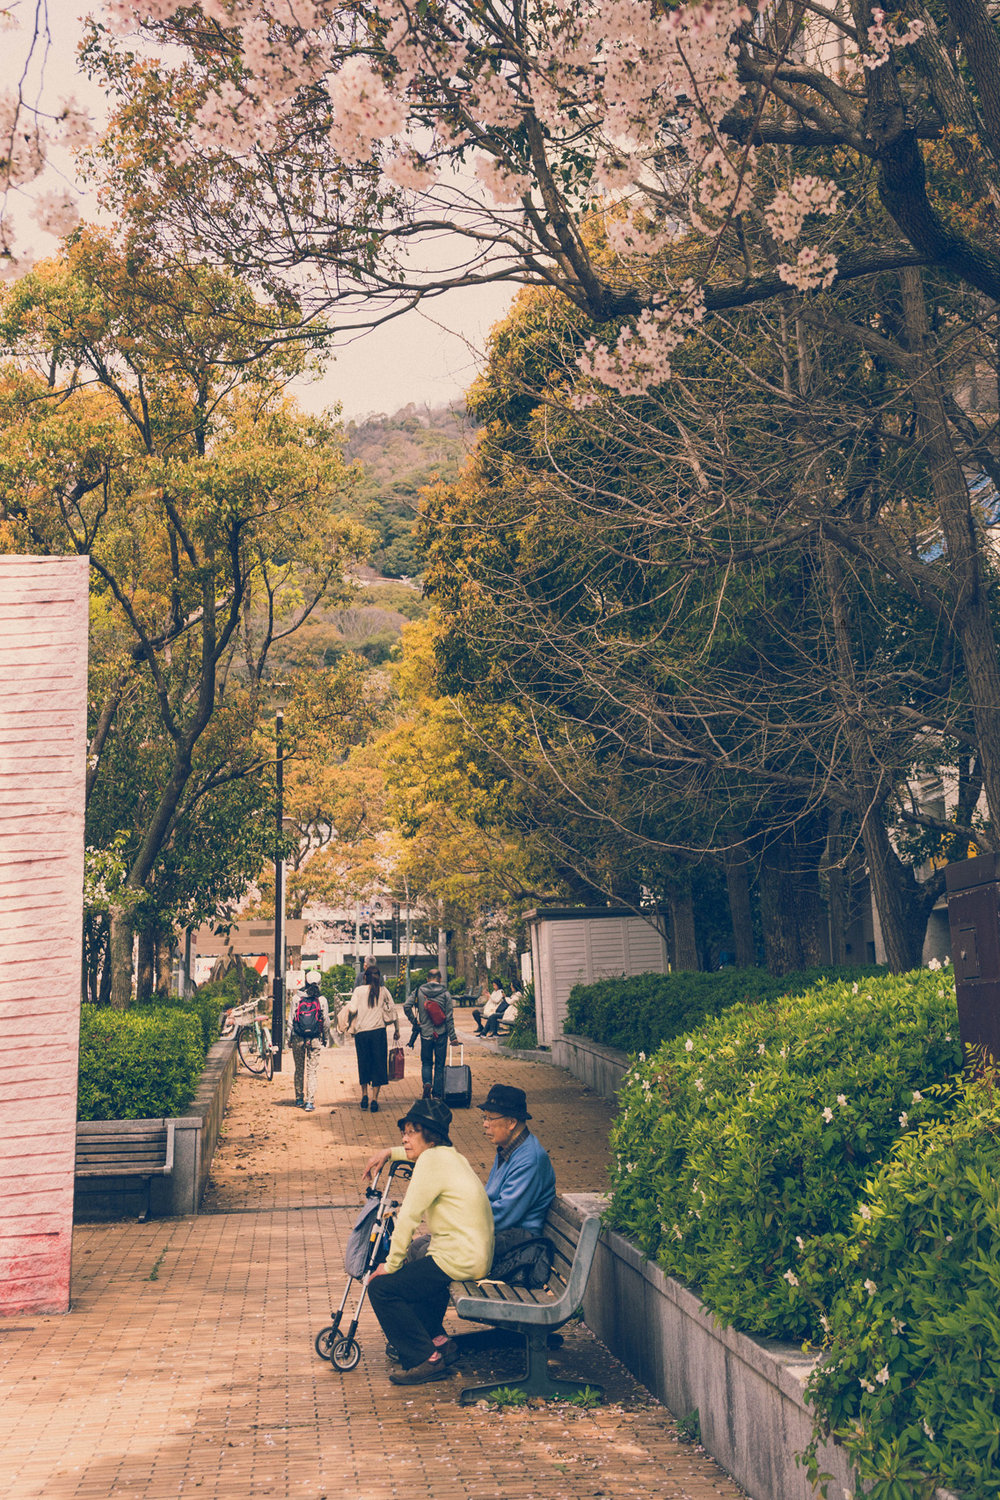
[522, 1182]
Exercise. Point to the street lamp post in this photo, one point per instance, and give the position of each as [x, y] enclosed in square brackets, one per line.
[278, 987]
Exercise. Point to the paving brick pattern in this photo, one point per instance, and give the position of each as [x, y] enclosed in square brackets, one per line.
[186, 1366]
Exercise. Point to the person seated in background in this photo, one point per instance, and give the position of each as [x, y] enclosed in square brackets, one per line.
[488, 1019]
[522, 1181]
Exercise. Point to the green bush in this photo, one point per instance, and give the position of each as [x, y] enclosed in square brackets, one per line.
[336, 979]
[206, 1003]
[638, 1012]
[911, 1386]
[139, 1063]
[742, 1148]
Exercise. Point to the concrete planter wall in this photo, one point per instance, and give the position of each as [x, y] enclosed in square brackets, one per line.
[600, 1068]
[196, 1135]
[749, 1393]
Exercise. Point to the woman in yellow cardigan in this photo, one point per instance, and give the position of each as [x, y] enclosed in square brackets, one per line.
[410, 1296]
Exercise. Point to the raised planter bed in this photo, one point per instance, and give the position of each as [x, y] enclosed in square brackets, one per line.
[749, 1393]
[600, 1068]
[196, 1135]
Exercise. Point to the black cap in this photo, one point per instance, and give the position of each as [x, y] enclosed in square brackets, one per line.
[504, 1099]
[429, 1114]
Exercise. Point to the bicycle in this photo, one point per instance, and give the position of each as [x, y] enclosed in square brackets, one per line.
[253, 1038]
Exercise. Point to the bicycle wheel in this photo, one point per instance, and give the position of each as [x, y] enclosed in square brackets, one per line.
[248, 1045]
[268, 1052]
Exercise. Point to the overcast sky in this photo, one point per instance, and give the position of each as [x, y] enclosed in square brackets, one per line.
[430, 356]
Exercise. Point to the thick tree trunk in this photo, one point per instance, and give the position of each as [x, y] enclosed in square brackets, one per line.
[973, 623]
[120, 961]
[164, 964]
[685, 937]
[898, 901]
[740, 909]
[145, 966]
[778, 896]
[792, 910]
[837, 892]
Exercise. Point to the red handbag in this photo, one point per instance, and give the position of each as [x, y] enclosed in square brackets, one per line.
[396, 1064]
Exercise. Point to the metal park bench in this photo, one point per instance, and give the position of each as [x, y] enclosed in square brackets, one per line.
[125, 1148]
[534, 1315]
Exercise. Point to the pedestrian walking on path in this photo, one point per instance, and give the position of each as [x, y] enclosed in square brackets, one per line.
[369, 1012]
[432, 1013]
[307, 1030]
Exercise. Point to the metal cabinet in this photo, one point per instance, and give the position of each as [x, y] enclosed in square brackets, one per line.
[973, 888]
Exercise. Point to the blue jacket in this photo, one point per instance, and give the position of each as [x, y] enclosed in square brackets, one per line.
[521, 1189]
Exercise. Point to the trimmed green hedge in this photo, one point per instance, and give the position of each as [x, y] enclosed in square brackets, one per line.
[911, 1385]
[742, 1148]
[206, 1003]
[139, 1063]
[637, 1013]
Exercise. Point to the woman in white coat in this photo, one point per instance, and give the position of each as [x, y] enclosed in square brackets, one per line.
[369, 1012]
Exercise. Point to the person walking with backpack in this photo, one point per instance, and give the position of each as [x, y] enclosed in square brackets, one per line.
[431, 1011]
[307, 1031]
[370, 1010]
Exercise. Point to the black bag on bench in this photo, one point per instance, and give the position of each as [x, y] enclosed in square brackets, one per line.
[527, 1264]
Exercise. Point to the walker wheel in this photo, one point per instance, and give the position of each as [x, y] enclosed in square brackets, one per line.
[324, 1341]
[345, 1353]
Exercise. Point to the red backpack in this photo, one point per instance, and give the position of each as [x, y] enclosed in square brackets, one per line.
[435, 1014]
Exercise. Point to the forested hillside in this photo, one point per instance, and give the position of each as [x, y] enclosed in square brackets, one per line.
[401, 454]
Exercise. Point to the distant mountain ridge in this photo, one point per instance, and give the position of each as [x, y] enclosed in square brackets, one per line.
[401, 453]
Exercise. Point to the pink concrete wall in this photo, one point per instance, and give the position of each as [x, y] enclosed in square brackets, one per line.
[43, 726]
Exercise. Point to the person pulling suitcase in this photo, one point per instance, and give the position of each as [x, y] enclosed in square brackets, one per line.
[431, 1010]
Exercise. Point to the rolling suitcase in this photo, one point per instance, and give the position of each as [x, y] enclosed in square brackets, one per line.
[457, 1081]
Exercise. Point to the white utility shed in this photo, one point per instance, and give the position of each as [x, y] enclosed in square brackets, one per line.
[580, 944]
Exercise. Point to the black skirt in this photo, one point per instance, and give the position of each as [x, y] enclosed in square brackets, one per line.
[372, 1048]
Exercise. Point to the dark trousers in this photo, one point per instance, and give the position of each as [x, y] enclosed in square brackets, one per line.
[433, 1051]
[372, 1048]
[410, 1304]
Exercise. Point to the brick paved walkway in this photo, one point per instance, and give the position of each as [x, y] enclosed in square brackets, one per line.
[186, 1365]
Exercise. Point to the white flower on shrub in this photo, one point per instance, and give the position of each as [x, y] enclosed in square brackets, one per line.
[689, 1045]
[864, 1211]
[699, 1084]
[896, 1325]
[854, 988]
[761, 1048]
[918, 1097]
[800, 1242]
[642, 1057]
[904, 1119]
[934, 963]
[928, 1429]
[866, 1385]
[883, 1375]
[828, 1114]
[870, 1287]
[678, 1232]
[842, 1100]
[947, 1036]
[824, 1322]
[791, 1278]
[783, 1052]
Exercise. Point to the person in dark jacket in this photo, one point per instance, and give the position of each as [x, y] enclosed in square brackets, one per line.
[431, 1011]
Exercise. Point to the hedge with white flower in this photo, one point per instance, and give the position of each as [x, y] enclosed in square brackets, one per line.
[911, 1380]
[742, 1150]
